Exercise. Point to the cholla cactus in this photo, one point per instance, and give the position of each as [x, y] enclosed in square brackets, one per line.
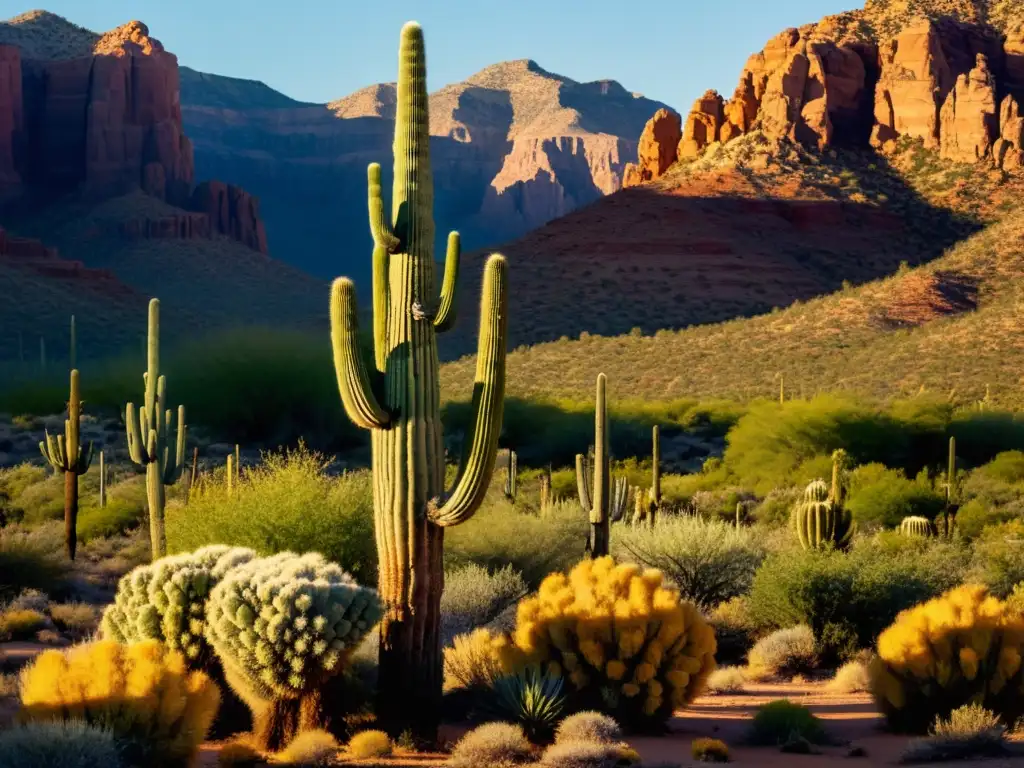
[166, 601]
[820, 520]
[281, 627]
[916, 526]
[963, 647]
[629, 646]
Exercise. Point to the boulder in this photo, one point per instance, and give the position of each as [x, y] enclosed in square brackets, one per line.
[968, 123]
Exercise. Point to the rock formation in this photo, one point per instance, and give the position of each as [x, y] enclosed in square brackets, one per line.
[703, 126]
[969, 120]
[1008, 149]
[232, 211]
[659, 144]
[34, 256]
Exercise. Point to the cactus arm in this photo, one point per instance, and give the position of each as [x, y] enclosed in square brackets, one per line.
[353, 379]
[133, 431]
[84, 460]
[379, 227]
[445, 318]
[583, 483]
[488, 401]
[174, 465]
[153, 359]
[380, 307]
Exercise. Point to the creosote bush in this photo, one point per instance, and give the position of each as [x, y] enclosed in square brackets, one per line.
[369, 744]
[727, 680]
[709, 751]
[474, 597]
[783, 654]
[158, 709]
[589, 726]
[501, 745]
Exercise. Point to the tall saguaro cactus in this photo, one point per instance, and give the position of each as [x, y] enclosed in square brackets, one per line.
[950, 508]
[399, 402]
[597, 502]
[149, 436]
[655, 500]
[64, 452]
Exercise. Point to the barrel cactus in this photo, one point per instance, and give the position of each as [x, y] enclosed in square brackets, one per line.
[626, 642]
[917, 526]
[963, 647]
[820, 521]
[166, 601]
[282, 626]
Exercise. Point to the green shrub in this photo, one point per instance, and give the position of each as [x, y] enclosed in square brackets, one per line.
[31, 559]
[883, 497]
[1007, 467]
[709, 562]
[971, 732]
[63, 744]
[998, 560]
[42, 501]
[474, 597]
[13, 482]
[783, 654]
[709, 751]
[495, 744]
[589, 726]
[978, 514]
[847, 599]
[776, 508]
[733, 631]
[285, 504]
[780, 722]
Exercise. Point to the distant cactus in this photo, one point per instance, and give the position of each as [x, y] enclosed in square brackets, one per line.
[620, 498]
[950, 508]
[821, 519]
[655, 498]
[512, 477]
[103, 481]
[917, 526]
[64, 452]
[229, 475]
[281, 627]
[639, 506]
[595, 496]
[149, 436]
[166, 601]
[545, 489]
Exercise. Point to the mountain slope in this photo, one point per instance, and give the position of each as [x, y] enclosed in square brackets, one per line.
[512, 147]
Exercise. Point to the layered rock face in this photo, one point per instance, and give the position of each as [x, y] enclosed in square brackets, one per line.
[950, 81]
[100, 116]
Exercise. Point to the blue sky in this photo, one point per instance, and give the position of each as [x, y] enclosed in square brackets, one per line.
[318, 50]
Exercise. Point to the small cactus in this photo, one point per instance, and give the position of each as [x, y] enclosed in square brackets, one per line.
[917, 526]
[950, 509]
[512, 477]
[64, 452]
[820, 519]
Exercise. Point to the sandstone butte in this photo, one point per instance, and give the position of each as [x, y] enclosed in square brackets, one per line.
[100, 115]
[953, 82]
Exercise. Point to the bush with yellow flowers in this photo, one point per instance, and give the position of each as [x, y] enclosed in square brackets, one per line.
[157, 709]
[963, 647]
[626, 644]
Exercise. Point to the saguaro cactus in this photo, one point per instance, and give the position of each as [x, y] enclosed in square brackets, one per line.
[597, 502]
[149, 436]
[64, 452]
[545, 489]
[950, 508]
[399, 402]
[512, 477]
[655, 500]
[103, 481]
[620, 496]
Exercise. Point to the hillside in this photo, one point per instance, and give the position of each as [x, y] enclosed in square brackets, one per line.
[950, 326]
[513, 146]
[871, 138]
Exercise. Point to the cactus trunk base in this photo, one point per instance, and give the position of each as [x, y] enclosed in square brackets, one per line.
[278, 722]
[155, 498]
[410, 667]
[70, 513]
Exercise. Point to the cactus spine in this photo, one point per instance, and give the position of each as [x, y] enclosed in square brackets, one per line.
[512, 477]
[596, 502]
[949, 510]
[149, 436]
[399, 402]
[820, 519]
[103, 481]
[916, 526]
[64, 452]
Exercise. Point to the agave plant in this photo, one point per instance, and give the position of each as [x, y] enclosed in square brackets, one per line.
[532, 699]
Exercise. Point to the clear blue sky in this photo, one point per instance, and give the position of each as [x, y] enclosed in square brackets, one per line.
[318, 50]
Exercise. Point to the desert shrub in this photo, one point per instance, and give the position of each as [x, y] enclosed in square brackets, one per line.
[847, 599]
[117, 518]
[166, 601]
[68, 744]
[583, 754]
[13, 482]
[287, 503]
[628, 645]
[42, 500]
[998, 560]
[156, 707]
[266, 613]
[500, 745]
[780, 722]
[733, 632]
[783, 654]
[709, 562]
[1007, 467]
[709, 751]
[589, 726]
[884, 497]
[77, 619]
[776, 508]
[727, 680]
[474, 596]
[978, 514]
[500, 535]
[21, 624]
[370, 744]
[472, 662]
[963, 647]
[311, 747]
[1015, 602]
[970, 732]
[31, 559]
[531, 699]
[852, 677]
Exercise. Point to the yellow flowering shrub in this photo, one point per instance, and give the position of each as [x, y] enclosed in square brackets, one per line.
[961, 648]
[143, 693]
[626, 644]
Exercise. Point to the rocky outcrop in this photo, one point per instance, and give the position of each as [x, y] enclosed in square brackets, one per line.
[184, 226]
[969, 121]
[659, 144]
[34, 256]
[1008, 149]
[703, 126]
[232, 211]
